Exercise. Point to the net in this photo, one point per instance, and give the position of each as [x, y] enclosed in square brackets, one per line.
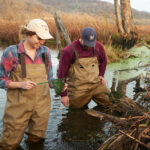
[58, 85]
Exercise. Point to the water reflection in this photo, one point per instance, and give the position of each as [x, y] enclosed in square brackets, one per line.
[75, 129]
[80, 130]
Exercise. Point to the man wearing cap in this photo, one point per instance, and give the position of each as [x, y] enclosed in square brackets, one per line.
[22, 67]
[83, 65]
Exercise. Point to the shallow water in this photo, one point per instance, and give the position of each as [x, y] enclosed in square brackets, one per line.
[73, 130]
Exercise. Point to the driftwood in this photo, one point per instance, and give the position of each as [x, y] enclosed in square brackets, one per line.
[142, 44]
[58, 37]
[136, 140]
[145, 85]
[61, 31]
[112, 118]
[132, 136]
[135, 68]
[127, 106]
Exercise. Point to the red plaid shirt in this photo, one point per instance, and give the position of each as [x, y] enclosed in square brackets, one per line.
[9, 62]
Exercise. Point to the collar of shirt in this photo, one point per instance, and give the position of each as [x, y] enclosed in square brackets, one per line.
[21, 48]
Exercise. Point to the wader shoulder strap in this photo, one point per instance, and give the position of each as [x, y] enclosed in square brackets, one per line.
[45, 60]
[94, 52]
[75, 51]
[21, 59]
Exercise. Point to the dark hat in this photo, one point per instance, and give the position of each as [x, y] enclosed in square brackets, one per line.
[89, 37]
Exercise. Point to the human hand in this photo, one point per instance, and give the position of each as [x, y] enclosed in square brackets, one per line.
[65, 87]
[65, 101]
[27, 85]
[102, 80]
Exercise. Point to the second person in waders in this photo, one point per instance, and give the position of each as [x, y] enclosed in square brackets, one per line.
[83, 64]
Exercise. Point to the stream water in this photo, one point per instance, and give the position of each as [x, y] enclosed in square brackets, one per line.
[74, 130]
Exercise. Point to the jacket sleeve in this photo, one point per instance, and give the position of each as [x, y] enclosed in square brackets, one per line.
[66, 58]
[102, 61]
[7, 64]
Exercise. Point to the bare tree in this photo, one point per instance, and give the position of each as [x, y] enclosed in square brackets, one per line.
[126, 13]
[125, 23]
[118, 18]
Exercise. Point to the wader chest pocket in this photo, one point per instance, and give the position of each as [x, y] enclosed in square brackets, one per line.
[81, 66]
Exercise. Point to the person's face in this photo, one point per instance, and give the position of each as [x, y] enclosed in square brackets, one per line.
[35, 41]
[83, 45]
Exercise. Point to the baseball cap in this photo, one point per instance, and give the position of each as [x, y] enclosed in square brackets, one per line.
[89, 37]
[40, 27]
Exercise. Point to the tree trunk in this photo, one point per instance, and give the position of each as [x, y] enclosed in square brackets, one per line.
[126, 13]
[118, 18]
[125, 24]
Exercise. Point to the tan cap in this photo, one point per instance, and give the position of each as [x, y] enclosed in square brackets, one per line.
[40, 27]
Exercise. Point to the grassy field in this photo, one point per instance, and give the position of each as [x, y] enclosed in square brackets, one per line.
[106, 30]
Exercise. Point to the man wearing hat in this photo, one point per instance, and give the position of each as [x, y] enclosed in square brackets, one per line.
[83, 65]
[22, 67]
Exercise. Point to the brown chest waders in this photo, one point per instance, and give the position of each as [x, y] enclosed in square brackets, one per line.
[84, 83]
[26, 108]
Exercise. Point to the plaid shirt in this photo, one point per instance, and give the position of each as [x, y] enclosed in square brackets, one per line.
[9, 62]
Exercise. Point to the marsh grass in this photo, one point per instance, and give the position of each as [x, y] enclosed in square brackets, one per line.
[74, 22]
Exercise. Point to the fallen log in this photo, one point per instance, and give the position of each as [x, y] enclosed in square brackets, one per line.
[112, 118]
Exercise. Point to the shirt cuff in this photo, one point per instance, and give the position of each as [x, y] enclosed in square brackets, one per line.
[100, 74]
[7, 83]
[51, 85]
[64, 93]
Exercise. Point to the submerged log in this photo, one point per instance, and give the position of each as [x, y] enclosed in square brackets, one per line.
[112, 118]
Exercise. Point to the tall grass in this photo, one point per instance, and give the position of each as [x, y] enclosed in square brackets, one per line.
[9, 31]
[144, 33]
[106, 29]
[73, 22]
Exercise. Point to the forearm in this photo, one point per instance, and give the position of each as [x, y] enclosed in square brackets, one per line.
[14, 85]
[27, 85]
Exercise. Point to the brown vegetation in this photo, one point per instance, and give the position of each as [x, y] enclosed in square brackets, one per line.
[106, 31]
[74, 23]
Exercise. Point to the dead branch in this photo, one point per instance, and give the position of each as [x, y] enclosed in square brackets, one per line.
[145, 85]
[132, 138]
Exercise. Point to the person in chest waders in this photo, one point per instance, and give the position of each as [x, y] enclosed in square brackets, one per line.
[83, 65]
[28, 104]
